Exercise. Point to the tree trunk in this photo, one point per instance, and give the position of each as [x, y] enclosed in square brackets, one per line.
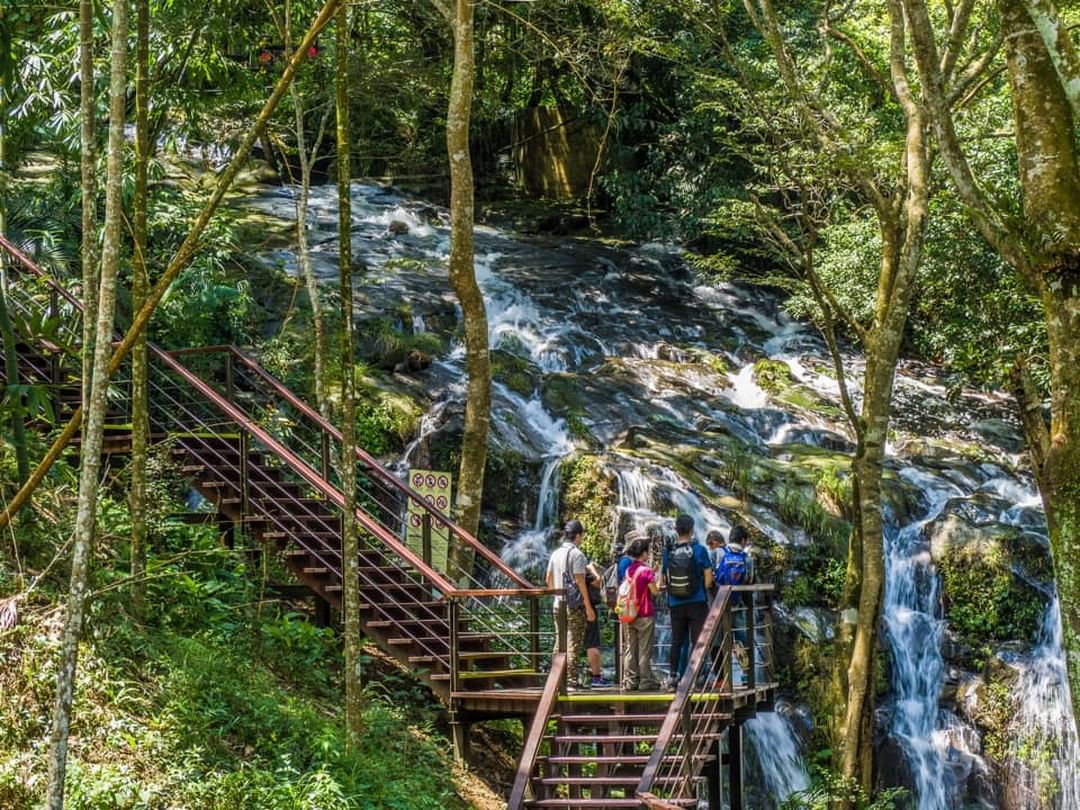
[463, 279]
[140, 416]
[94, 425]
[303, 250]
[1050, 185]
[350, 545]
[88, 173]
[180, 260]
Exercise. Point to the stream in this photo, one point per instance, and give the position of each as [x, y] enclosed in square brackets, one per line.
[622, 353]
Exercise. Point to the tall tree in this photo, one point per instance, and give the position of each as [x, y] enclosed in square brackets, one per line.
[88, 181]
[463, 279]
[140, 417]
[7, 332]
[94, 424]
[350, 545]
[306, 154]
[1043, 244]
[898, 195]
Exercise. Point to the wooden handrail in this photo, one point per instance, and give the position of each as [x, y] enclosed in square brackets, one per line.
[537, 729]
[482, 592]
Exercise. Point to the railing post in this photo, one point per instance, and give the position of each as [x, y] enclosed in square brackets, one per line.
[560, 630]
[735, 774]
[534, 631]
[244, 489]
[324, 449]
[727, 646]
[229, 376]
[453, 608]
[425, 537]
[751, 643]
[688, 742]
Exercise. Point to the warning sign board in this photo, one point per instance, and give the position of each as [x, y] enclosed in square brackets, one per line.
[433, 487]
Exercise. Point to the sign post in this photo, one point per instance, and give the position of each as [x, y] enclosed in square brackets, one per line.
[433, 487]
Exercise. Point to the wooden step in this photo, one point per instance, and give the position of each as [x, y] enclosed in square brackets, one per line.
[613, 719]
[601, 739]
[636, 759]
[599, 803]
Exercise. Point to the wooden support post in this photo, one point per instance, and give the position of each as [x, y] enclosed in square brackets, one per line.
[727, 647]
[453, 609]
[322, 612]
[459, 735]
[425, 537]
[735, 772]
[228, 533]
[714, 778]
[244, 488]
[324, 451]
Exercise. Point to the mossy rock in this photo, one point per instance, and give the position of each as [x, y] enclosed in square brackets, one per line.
[589, 495]
[514, 371]
[561, 394]
[772, 376]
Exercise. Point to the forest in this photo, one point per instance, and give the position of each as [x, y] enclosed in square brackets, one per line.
[334, 332]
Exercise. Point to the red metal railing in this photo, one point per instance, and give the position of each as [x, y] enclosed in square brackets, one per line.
[275, 463]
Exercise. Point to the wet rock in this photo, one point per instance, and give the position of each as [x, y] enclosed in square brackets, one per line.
[397, 227]
[416, 360]
[999, 433]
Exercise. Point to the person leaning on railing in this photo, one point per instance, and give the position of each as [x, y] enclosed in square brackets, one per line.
[566, 569]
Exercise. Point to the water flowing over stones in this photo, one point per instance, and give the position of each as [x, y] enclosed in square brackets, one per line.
[622, 353]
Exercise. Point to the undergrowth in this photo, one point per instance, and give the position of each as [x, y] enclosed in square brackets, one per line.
[217, 699]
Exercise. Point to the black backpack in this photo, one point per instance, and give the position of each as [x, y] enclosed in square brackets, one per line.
[573, 595]
[681, 574]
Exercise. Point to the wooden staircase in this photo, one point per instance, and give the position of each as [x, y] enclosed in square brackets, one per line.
[266, 463]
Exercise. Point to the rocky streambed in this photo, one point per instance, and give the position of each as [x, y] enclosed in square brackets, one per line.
[626, 391]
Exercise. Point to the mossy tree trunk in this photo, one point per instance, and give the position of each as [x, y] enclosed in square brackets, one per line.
[463, 279]
[94, 423]
[350, 545]
[88, 181]
[140, 416]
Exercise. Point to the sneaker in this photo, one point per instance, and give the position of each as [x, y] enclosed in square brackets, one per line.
[668, 685]
[600, 682]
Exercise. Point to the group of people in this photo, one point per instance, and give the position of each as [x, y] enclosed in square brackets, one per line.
[686, 570]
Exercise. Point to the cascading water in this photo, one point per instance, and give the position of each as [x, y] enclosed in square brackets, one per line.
[1044, 725]
[622, 344]
[912, 612]
[775, 745]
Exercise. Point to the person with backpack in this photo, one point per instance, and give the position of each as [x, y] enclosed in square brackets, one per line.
[736, 567]
[594, 579]
[567, 569]
[688, 576]
[636, 611]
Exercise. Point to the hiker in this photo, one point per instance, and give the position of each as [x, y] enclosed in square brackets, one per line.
[566, 569]
[637, 617]
[687, 577]
[595, 582]
[736, 567]
[714, 542]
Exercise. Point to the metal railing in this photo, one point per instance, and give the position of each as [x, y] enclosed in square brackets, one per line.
[275, 463]
[729, 664]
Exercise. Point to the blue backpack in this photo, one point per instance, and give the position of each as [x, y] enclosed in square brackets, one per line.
[732, 568]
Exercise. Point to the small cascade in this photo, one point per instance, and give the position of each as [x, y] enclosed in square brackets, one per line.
[773, 741]
[913, 616]
[745, 392]
[1044, 722]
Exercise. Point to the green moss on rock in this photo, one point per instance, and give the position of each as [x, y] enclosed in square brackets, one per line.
[588, 495]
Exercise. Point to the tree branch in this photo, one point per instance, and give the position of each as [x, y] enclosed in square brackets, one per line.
[1060, 46]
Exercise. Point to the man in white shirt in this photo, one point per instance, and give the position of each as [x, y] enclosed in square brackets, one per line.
[566, 569]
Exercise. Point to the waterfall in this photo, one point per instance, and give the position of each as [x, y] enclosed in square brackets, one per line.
[1044, 721]
[913, 617]
[773, 741]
